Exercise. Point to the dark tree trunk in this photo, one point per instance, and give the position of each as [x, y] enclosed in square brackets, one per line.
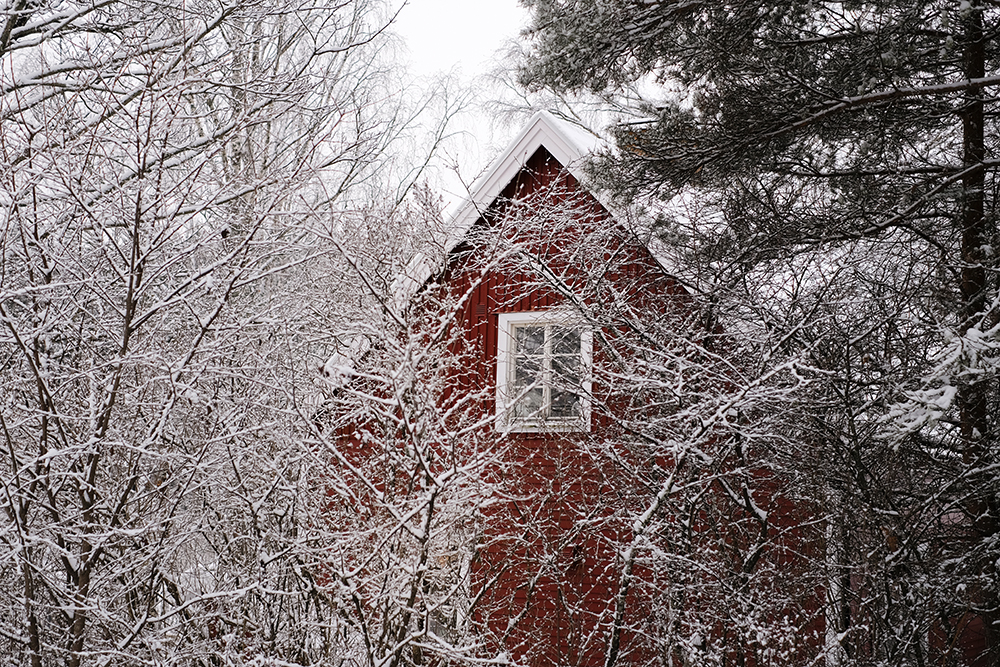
[976, 302]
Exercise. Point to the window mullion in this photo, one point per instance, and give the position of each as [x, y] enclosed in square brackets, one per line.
[547, 372]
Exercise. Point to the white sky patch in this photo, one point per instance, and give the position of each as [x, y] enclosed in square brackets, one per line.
[464, 40]
[457, 35]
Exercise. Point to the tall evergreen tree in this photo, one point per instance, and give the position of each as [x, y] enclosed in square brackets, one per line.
[846, 155]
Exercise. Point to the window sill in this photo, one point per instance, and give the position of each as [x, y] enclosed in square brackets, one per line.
[575, 426]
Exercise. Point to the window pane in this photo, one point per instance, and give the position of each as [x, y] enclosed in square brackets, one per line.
[527, 371]
[565, 404]
[530, 340]
[530, 404]
[566, 376]
[566, 372]
[565, 340]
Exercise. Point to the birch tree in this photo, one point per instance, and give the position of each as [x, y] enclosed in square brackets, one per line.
[169, 173]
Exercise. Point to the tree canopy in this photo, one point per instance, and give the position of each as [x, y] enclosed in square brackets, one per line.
[175, 178]
[824, 173]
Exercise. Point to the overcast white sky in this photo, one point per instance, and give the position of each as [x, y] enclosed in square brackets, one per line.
[461, 38]
[445, 34]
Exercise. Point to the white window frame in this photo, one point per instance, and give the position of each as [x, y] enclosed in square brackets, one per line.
[505, 396]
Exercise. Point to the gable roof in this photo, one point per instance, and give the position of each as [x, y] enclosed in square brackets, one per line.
[571, 145]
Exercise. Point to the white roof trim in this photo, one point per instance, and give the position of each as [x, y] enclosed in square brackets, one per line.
[569, 144]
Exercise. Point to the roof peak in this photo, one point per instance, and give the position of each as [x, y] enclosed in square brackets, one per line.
[568, 143]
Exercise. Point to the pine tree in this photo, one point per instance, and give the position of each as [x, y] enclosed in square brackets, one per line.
[846, 153]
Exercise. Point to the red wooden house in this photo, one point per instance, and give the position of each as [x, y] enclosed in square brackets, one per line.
[628, 528]
[627, 523]
[546, 276]
[620, 531]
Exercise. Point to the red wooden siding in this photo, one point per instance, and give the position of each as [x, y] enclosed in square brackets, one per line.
[554, 576]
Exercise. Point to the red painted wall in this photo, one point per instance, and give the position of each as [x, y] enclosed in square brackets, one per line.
[549, 575]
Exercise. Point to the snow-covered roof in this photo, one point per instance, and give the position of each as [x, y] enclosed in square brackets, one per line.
[568, 143]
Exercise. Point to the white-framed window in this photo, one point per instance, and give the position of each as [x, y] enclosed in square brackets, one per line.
[543, 372]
